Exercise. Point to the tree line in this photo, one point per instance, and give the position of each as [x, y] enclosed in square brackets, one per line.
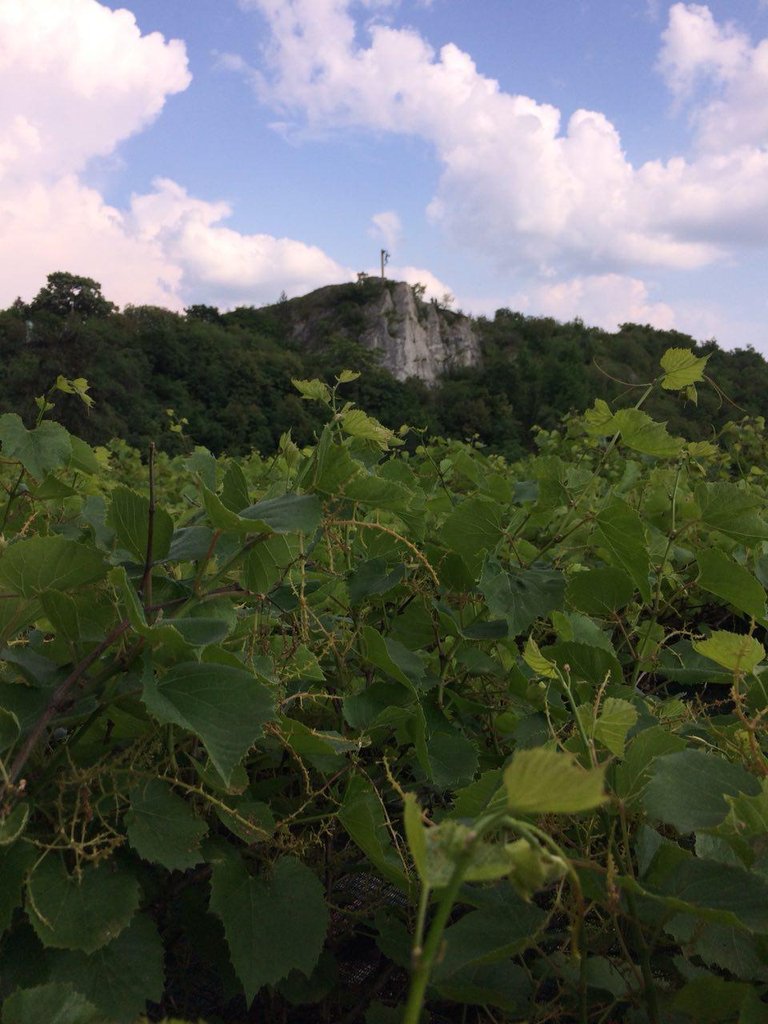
[223, 379]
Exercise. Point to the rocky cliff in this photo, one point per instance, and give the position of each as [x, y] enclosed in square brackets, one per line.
[413, 338]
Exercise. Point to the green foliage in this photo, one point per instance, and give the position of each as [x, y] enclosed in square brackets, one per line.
[498, 725]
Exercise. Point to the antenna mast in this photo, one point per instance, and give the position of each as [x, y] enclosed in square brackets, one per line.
[384, 261]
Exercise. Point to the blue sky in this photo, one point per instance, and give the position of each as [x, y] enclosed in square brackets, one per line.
[606, 159]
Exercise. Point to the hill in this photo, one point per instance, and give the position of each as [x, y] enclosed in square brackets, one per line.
[223, 380]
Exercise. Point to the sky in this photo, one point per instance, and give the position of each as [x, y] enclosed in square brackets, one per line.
[599, 159]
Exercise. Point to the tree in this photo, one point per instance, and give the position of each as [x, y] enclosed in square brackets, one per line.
[65, 294]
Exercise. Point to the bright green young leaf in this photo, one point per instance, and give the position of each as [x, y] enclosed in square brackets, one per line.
[722, 576]
[84, 914]
[358, 424]
[643, 434]
[688, 789]
[541, 781]
[347, 376]
[163, 828]
[536, 661]
[49, 1004]
[41, 450]
[75, 386]
[274, 924]
[121, 977]
[36, 564]
[599, 421]
[682, 368]
[615, 720]
[736, 652]
[226, 707]
[313, 390]
[129, 517]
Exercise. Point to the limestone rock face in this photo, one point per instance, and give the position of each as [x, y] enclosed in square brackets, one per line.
[417, 339]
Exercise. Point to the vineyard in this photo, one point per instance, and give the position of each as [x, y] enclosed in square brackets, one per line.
[386, 729]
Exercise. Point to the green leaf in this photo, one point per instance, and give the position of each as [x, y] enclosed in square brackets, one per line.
[13, 823]
[736, 652]
[289, 513]
[521, 596]
[226, 707]
[121, 977]
[415, 834]
[540, 781]
[362, 815]
[268, 561]
[453, 759]
[614, 722]
[536, 661]
[729, 892]
[273, 925]
[721, 575]
[503, 985]
[643, 434]
[393, 658]
[163, 828]
[620, 530]
[600, 591]
[633, 774]
[373, 578]
[495, 932]
[49, 1004]
[129, 517]
[41, 450]
[682, 368]
[688, 789]
[358, 424]
[9, 729]
[733, 511]
[234, 488]
[472, 528]
[313, 390]
[15, 862]
[84, 914]
[36, 564]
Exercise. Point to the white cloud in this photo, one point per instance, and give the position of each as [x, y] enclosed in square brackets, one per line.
[226, 266]
[605, 300]
[76, 80]
[722, 73]
[516, 183]
[386, 227]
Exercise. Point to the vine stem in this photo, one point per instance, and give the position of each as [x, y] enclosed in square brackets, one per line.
[58, 695]
[146, 581]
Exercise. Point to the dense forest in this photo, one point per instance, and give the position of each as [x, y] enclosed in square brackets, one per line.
[223, 380]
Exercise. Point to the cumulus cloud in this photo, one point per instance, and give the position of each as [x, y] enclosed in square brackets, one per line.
[217, 261]
[76, 80]
[700, 54]
[605, 300]
[530, 190]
